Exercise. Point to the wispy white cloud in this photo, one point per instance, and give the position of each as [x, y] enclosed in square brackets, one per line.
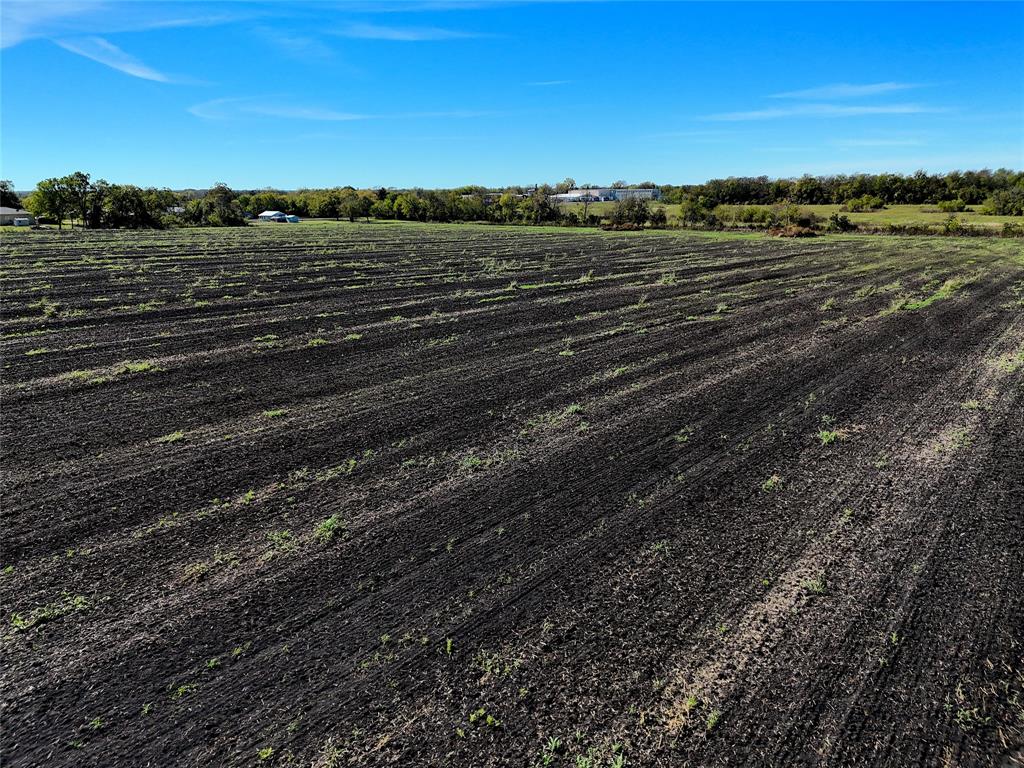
[300, 47]
[22, 20]
[400, 34]
[227, 109]
[845, 91]
[824, 110]
[455, 113]
[108, 54]
[282, 107]
[546, 83]
[859, 143]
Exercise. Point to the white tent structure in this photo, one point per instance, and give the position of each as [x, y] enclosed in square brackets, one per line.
[272, 216]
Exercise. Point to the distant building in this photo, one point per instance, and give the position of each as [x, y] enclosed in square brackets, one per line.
[16, 216]
[606, 194]
[273, 216]
[292, 219]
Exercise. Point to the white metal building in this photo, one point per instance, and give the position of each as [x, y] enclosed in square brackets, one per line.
[605, 194]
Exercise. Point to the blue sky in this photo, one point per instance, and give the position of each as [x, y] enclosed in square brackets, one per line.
[292, 94]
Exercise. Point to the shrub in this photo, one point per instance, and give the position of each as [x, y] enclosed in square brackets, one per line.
[951, 206]
[952, 226]
[792, 231]
[756, 214]
[1008, 202]
[693, 212]
[631, 211]
[864, 203]
[795, 216]
[837, 222]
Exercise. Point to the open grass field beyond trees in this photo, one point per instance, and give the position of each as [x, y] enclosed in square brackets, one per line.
[478, 496]
[899, 215]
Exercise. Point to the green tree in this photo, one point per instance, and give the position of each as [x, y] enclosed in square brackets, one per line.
[353, 205]
[49, 200]
[565, 185]
[8, 197]
[631, 211]
[78, 190]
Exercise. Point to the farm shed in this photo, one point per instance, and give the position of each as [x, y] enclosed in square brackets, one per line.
[272, 216]
[16, 216]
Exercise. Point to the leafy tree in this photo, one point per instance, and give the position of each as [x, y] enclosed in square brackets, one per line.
[1009, 202]
[864, 203]
[8, 197]
[353, 205]
[217, 208]
[837, 222]
[506, 209]
[78, 190]
[565, 185]
[631, 211]
[49, 200]
[537, 209]
[694, 212]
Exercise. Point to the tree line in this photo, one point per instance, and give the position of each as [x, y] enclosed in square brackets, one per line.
[995, 190]
[99, 204]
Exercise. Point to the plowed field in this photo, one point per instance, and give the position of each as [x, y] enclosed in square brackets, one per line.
[467, 496]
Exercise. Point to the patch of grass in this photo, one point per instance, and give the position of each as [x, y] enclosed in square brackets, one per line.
[815, 586]
[275, 413]
[683, 435]
[714, 717]
[329, 528]
[1009, 363]
[970, 718]
[49, 612]
[829, 436]
[316, 342]
[895, 305]
[353, 337]
[947, 289]
[173, 437]
[482, 717]
[281, 541]
[141, 366]
[38, 351]
[773, 483]
[472, 463]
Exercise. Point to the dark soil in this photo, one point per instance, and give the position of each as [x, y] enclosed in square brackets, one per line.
[468, 496]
